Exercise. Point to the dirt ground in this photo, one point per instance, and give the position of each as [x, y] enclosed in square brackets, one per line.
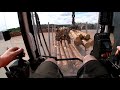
[18, 41]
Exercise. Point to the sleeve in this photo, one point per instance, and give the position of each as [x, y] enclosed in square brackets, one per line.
[47, 69]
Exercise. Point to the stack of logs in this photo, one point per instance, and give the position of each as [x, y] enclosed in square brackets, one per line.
[78, 37]
[65, 49]
[62, 34]
[81, 38]
[63, 39]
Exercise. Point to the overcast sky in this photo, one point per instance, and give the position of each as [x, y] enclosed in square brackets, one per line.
[10, 19]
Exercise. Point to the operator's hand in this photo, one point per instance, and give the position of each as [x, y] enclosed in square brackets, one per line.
[9, 56]
[118, 50]
[106, 54]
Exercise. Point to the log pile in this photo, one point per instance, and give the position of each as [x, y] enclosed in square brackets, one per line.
[65, 47]
[71, 37]
[64, 50]
[82, 35]
[62, 34]
[81, 38]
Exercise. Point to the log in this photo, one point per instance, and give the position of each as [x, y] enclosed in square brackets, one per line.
[71, 54]
[85, 36]
[79, 34]
[55, 42]
[91, 42]
[65, 48]
[63, 55]
[58, 53]
[74, 34]
[76, 38]
[77, 63]
[59, 34]
[54, 50]
[62, 51]
[86, 44]
[53, 47]
[58, 50]
[67, 51]
[70, 63]
[63, 43]
[76, 52]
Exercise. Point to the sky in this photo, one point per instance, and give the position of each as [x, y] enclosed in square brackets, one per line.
[10, 19]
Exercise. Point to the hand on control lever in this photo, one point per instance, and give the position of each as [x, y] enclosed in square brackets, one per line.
[10, 55]
[107, 54]
[118, 50]
[116, 56]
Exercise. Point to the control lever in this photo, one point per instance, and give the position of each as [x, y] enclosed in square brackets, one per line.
[102, 44]
[117, 59]
[112, 65]
[19, 69]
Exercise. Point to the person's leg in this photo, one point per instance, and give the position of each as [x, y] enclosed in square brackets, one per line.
[48, 69]
[92, 68]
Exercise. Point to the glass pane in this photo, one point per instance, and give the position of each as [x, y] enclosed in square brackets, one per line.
[9, 22]
[86, 22]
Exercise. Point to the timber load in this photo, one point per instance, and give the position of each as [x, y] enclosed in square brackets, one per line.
[62, 34]
[81, 38]
[82, 35]
[77, 40]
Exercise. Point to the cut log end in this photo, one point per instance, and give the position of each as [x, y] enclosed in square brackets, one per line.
[81, 36]
[77, 41]
[87, 37]
[86, 44]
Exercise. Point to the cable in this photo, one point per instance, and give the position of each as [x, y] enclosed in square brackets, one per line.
[42, 33]
[40, 38]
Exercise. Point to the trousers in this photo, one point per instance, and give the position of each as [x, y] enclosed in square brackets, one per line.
[91, 69]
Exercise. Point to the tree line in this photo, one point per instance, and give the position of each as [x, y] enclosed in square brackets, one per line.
[45, 26]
